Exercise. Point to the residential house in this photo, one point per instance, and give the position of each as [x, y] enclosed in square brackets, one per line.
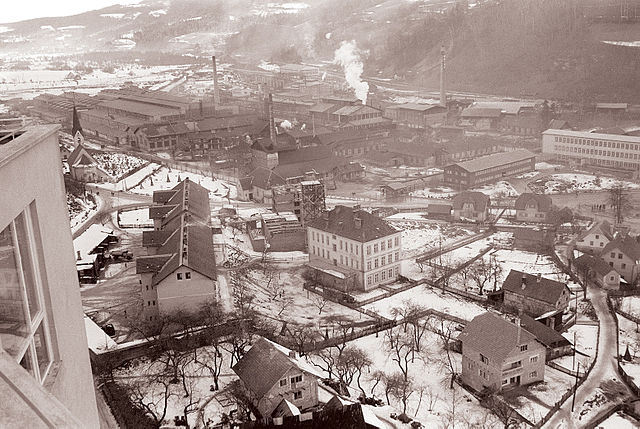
[351, 249]
[538, 240]
[533, 207]
[555, 343]
[471, 205]
[536, 295]
[498, 354]
[623, 254]
[45, 373]
[595, 268]
[595, 238]
[272, 373]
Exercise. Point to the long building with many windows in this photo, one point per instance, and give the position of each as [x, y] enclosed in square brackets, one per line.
[488, 169]
[607, 150]
[351, 249]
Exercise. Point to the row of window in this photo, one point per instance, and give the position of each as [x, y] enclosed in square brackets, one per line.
[599, 143]
[187, 275]
[383, 261]
[383, 275]
[345, 246]
[600, 152]
[600, 161]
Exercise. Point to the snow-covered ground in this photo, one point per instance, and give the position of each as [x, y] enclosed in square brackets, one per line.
[500, 189]
[586, 339]
[547, 166]
[527, 262]
[528, 175]
[127, 182]
[619, 421]
[429, 298]
[440, 192]
[574, 182]
[629, 335]
[630, 305]
[138, 218]
[79, 209]
[165, 178]
[118, 164]
[420, 237]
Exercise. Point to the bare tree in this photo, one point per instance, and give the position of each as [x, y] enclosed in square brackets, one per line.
[241, 293]
[483, 271]
[400, 346]
[445, 333]
[413, 318]
[619, 200]
[376, 376]
[320, 302]
[302, 336]
[400, 388]
[211, 358]
[151, 395]
[275, 290]
[350, 363]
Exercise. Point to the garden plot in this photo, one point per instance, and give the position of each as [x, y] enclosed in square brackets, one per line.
[434, 408]
[428, 298]
[630, 305]
[527, 262]
[142, 379]
[497, 190]
[79, 209]
[438, 192]
[575, 182]
[118, 165]
[586, 341]
[419, 237]
[629, 335]
[166, 178]
[276, 291]
[471, 250]
[534, 401]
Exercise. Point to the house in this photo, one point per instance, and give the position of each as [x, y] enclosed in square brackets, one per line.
[186, 197]
[414, 115]
[481, 118]
[271, 373]
[498, 354]
[471, 205]
[533, 207]
[538, 240]
[273, 232]
[45, 372]
[439, 211]
[84, 168]
[595, 238]
[488, 169]
[350, 248]
[535, 295]
[257, 185]
[597, 269]
[623, 254]
[554, 342]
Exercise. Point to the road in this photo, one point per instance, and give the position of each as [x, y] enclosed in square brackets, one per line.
[605, 368]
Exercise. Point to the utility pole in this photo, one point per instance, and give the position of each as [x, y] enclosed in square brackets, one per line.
[575, 387]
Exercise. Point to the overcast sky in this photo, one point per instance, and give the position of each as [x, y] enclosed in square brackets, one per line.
[18, 10]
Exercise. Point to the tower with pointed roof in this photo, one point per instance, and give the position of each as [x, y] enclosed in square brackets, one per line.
[76, 130]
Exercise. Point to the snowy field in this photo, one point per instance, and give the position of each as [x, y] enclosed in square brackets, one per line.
[528, 262]
[629, 335]
[574, 182]
[535, 401]
[79, 210]
[132, 180]
[497, 190]
[439, 192]
[138, 218]
[432, 408]
[166, 178]
[619, 421]
[429, 298]
[631, 305]
[420, 237]
[118, 164]
[586, 340]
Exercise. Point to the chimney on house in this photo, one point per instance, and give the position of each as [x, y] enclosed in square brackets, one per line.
[443, 94]
[524, 281]
[325, 215]
[272, 124]
[216, 89]
[292, 354]
[358, 221]
[79, 257]
[538, 278]
[518, 323]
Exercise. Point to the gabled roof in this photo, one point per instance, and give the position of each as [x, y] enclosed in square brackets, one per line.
[603, 228]
[311, 153]
[342, 221]
[263, 366]
[629, 246]
[480, 201]
[76, 124]
[186, 196]
[549, 337]
[559, 124]
[481, 112]
[155, 238]
[493, 336]
[80, 155]
[594, 263]
[495, 160]
[264, 178]
[542, 201]
[545, 290]
[151, 264]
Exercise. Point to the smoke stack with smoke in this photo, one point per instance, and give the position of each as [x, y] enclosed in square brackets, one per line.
[286, 125]
[348, 57]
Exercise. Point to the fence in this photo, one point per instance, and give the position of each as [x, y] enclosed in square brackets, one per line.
[458, 244]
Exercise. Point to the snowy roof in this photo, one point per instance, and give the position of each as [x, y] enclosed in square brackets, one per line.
[601, 227]
[342, 221]
[86, 242]
[495, 160]
[97, 339]
[507, 107]
[493, 336]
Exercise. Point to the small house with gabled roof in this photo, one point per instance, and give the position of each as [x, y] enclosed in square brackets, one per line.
[594, 239]
[596, 268]
[471, 205]
[623, 255]
[272, 373]
[498, 354]
[535, 295]
[532, 207]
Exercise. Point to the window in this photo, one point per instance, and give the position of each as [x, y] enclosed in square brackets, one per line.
[533, 359]
[382, 246]
[375, 248]
[334, 247]
[179, 276]
[390, 273]
[376, 278]
[368, 265]
[389, 244]
[382, 260]
[375, 262]
[397, 256]
[25, 333]
[297, 395]
[396, 241]
[187, 275]
[283, 382]
[524, 347]
[619, 255]
[533, 374]
[505, 381]
[296, 379]
[384, 275]
[369, 250]
[484, 359]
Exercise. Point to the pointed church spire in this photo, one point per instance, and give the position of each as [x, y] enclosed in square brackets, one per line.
[76, 130]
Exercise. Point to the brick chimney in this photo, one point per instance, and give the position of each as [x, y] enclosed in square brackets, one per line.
[538, 278]
[524, 281]
[79, 257]
[358, 221]
[216, 89]
[272, 124]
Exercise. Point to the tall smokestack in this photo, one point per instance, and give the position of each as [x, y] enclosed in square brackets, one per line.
[272, 124]
[216, 90]
[443, 94]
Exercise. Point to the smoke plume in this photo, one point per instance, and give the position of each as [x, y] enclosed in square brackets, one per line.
[348, 57]
[286, 125]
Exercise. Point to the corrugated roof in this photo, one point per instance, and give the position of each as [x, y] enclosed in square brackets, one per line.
[545, 290]
[495, 160]
[342, 221]
[494, 337]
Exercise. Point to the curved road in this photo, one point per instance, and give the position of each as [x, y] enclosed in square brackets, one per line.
[605, 368]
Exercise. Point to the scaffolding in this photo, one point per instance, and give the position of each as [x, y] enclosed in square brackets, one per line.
[305, 199]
